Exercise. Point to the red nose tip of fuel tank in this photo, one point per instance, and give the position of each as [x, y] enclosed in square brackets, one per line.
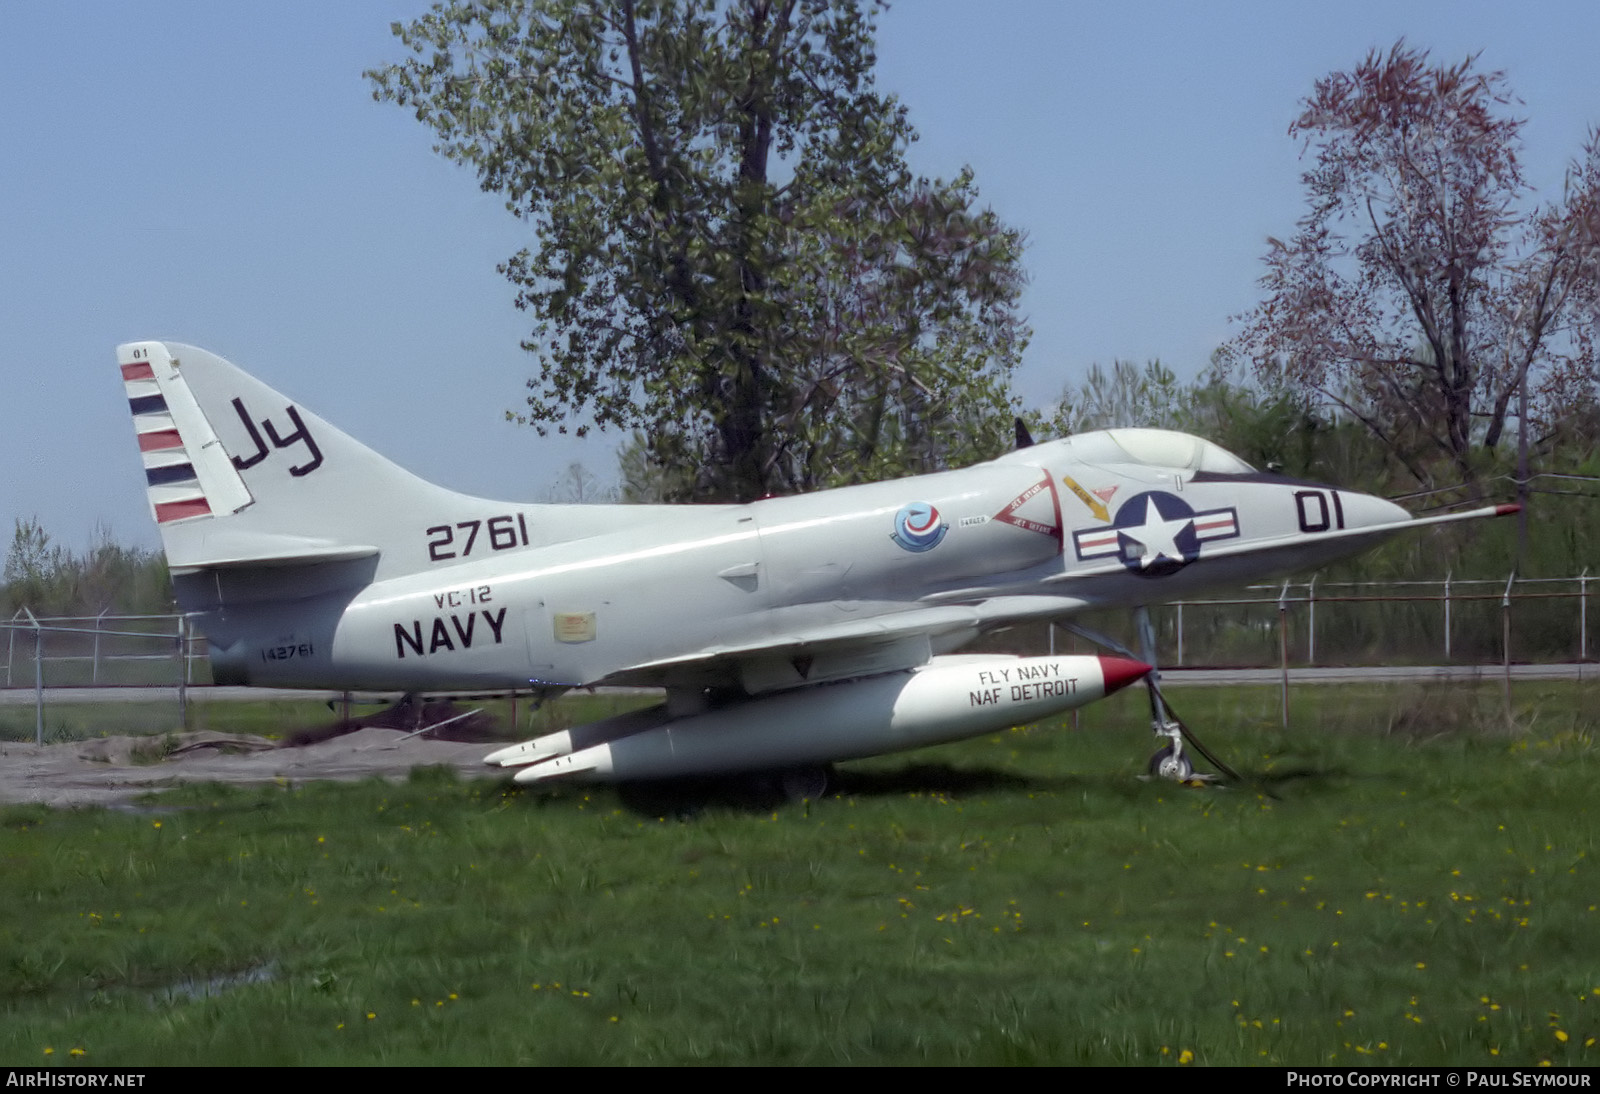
[1119, 672]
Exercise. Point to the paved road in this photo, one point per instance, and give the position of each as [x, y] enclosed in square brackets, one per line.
[24, 696]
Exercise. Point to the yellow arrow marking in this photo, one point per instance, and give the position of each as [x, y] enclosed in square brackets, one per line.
[1096, 506]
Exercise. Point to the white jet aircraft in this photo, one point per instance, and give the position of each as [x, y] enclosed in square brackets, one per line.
[788, 633]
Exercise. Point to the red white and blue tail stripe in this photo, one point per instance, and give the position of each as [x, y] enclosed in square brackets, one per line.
[187, 474]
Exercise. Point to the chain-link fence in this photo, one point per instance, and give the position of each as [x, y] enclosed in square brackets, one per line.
[1440, 622]
[1309, 624]
[102, 650]
[1352, 624]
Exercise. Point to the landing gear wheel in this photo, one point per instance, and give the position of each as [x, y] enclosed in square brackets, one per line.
[805, 783]
[1171, 764]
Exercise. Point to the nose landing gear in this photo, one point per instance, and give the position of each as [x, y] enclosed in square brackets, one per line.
[1171, 760]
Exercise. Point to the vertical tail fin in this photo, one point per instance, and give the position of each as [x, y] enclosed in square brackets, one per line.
[240, 476]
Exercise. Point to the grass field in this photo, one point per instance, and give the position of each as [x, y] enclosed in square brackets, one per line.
[1406, 879]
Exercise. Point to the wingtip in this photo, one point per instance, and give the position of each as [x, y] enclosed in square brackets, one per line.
[1507, 509]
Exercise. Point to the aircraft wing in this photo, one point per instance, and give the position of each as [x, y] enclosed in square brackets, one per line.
[847, 649]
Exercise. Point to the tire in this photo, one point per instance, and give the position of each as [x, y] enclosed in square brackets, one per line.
[804, 783]
[1167, 764]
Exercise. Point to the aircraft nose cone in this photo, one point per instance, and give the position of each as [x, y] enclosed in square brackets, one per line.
[1366, 511]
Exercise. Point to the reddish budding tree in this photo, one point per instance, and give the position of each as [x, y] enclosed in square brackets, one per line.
[1424, 283]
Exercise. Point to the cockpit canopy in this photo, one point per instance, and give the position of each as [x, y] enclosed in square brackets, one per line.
[1164, 448]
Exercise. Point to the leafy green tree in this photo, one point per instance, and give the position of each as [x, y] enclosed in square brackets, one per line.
[731, 255]
[1268, 425]
[33, 568]
[577, 485]
[1125, 396]
[115, 578]
[648, 479]
[50, 580]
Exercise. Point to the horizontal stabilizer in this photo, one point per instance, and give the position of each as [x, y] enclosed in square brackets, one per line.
[238, 550]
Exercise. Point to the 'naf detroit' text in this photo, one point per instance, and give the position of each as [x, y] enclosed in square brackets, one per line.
[1022, 693]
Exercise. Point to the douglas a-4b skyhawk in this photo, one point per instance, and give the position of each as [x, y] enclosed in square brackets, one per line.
[788, 633]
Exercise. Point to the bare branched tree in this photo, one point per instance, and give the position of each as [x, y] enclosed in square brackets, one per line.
[1424, 284]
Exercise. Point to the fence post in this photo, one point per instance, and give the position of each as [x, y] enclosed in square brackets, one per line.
[1505, 638]
[1311, 621]
[183, 689]
[1179, 606]
[1283, 649]
[94, 673]
[1583, 615]
[38, 679]
[1447, 616]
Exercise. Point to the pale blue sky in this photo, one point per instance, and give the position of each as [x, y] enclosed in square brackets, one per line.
[218, 174]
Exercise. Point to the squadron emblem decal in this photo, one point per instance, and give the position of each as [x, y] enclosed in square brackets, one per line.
[918, 527]
[1155, 533]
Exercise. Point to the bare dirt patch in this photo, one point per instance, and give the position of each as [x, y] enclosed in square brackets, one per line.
[115, 770]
